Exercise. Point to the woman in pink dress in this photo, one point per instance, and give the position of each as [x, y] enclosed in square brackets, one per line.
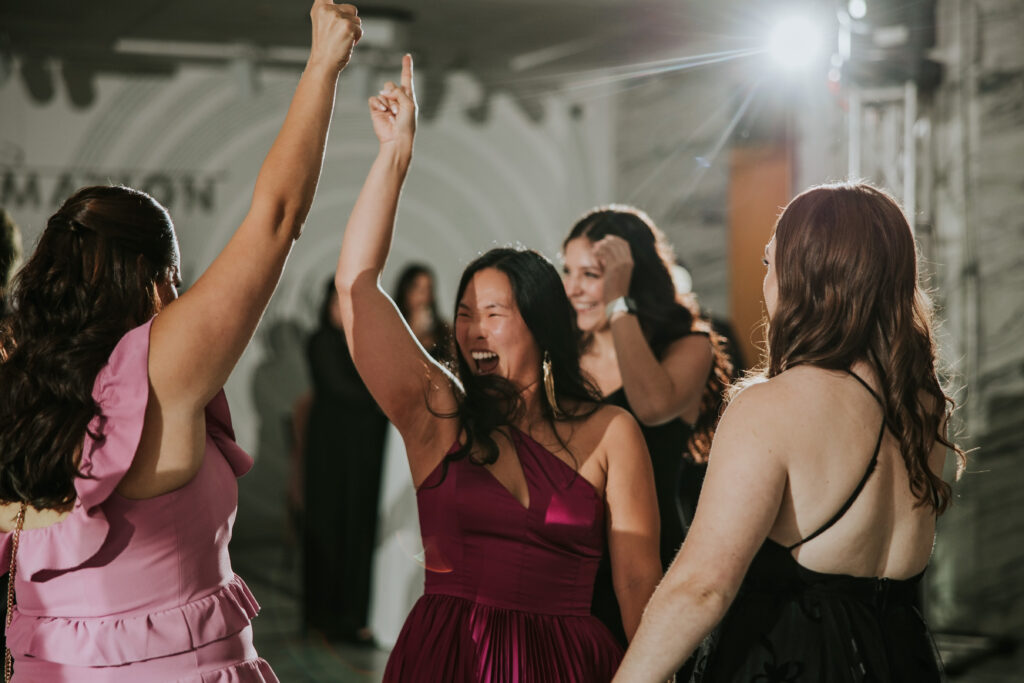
[117, 457]
[521, 474]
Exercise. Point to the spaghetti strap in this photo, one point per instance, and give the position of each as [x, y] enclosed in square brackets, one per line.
[863, 480]
[866, 386]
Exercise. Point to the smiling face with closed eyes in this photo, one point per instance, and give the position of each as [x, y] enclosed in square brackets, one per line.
[491, 334]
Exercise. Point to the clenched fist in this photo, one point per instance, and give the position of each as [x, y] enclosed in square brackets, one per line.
[336, 30]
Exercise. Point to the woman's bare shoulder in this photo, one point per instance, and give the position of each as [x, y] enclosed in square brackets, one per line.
[608, 428]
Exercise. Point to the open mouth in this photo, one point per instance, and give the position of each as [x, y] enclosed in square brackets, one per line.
[584, 307]
[485, 361]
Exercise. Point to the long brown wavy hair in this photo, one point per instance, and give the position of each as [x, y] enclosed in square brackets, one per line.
[848, 291]
[92, 278]
[665, 314]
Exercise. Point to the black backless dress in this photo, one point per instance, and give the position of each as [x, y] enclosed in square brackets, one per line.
[790, 624]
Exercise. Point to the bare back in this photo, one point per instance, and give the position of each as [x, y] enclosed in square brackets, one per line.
[831, 437]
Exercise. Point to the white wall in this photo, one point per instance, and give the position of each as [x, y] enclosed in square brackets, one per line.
[196, 141]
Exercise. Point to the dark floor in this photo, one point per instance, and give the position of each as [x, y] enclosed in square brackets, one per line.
[298, 659]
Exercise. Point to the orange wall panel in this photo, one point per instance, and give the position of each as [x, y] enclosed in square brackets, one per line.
[759, 187]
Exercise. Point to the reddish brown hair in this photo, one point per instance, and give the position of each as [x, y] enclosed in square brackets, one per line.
[848, 291]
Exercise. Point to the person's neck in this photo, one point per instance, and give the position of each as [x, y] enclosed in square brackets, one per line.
[533, 413]
[601, 342]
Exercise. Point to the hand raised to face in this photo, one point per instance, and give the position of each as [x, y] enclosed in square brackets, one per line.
[393, 111]
[616, 259]
[336, 30]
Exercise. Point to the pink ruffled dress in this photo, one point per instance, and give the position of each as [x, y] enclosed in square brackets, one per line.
[137, 590]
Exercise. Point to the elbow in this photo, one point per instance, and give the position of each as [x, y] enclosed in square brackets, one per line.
[343, 285]
[291, 215]
[640, 583]
[284, 214]
[351, 285]
[640, 579]
[662, 408]
[350, 281]
[649, 418]
[701, 595]
[653, 414]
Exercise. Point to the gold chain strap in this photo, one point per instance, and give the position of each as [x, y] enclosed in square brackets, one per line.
[8, 659]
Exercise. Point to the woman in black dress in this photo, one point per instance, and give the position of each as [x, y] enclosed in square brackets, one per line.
[817, 516]
[344, 451]
[649, 351]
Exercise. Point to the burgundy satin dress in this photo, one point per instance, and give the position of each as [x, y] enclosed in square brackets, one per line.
[508, 588]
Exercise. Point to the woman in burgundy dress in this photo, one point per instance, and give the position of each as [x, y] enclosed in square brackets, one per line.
[521, 473]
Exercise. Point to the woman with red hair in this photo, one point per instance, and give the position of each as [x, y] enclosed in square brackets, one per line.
[817, 517]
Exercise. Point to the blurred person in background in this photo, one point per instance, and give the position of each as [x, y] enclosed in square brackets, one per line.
[417, 302]
[344, 449]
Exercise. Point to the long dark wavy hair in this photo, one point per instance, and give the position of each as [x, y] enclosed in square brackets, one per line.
[10, 256]
[92, 278]
[665, 314]
[441, 332]
[489, 404]
[848, 291]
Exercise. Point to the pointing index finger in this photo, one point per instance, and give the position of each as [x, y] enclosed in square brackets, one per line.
[407, 73]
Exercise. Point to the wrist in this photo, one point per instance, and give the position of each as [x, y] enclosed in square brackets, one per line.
[619, 307]
[323, 68]
[396, 153]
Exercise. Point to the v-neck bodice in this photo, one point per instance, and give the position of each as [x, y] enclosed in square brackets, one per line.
[482, 544]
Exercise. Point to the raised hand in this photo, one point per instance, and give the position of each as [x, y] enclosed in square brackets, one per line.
[616, 258]
[393, 111]
[336, 30]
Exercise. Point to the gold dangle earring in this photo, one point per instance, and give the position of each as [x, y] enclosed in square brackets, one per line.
[549, 387]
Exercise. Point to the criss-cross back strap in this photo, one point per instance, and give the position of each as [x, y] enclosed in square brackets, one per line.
[863, 480]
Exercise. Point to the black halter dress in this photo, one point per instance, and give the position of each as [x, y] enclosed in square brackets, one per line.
[790, 624]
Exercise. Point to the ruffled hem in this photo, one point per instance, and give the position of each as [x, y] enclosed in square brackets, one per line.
[251, 671]
[452, 639]
[111, 641]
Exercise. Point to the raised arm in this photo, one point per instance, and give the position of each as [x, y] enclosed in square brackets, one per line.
[632, 520]
[658, 390]
[196, 340]
[738, 505]
[401, 375]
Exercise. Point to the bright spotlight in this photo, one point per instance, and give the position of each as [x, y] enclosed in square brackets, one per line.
[794, 42]
[858, 9]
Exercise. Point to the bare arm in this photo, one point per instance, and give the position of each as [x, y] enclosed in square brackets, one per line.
[400, 374]
[658, 390]
[226, 303]
[739, 503]
[196, 340]
[633, 523]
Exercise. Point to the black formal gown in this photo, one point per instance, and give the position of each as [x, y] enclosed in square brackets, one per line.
[790, 624]
[344, 453]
